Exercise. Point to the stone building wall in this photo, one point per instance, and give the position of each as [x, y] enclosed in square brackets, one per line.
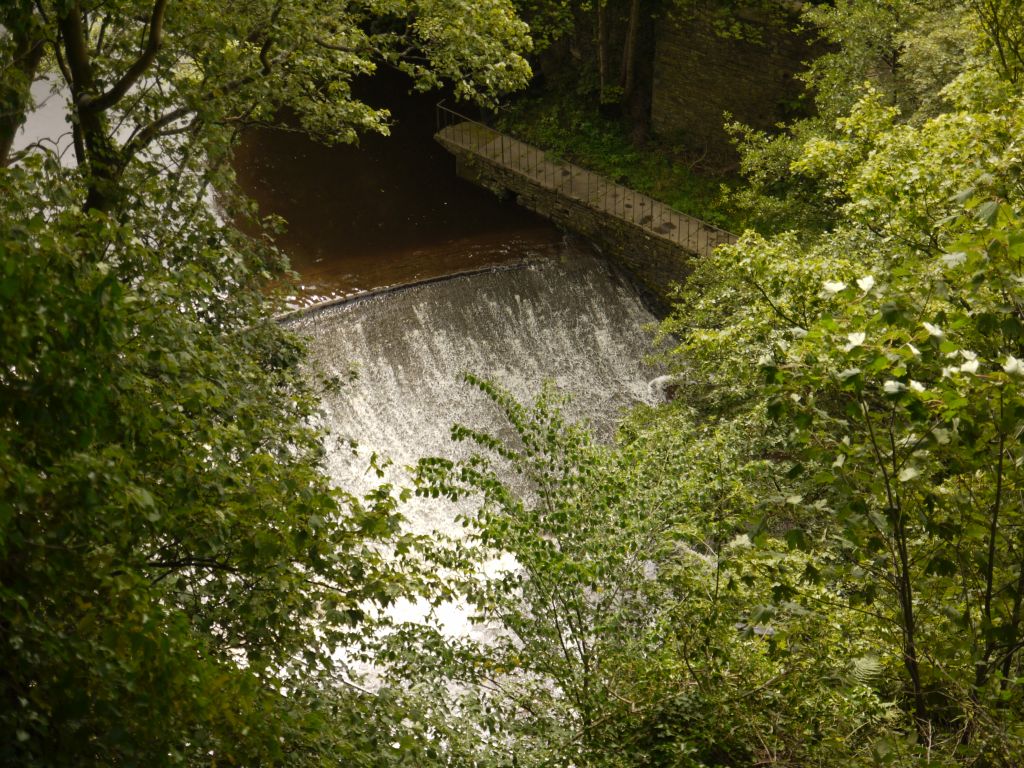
[699, 75]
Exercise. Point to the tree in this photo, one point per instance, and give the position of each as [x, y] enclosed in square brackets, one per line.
[168, 541]
[885, 349]
[908, 51]
[829, 514]
[146, 72]
[21, 51]
[177, 575]
[927, 409]
[614, 40]
[628, 623]
[1003, 23]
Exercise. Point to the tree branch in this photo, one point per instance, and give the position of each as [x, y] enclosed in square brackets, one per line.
[764, 294]
[77, 53]
[143, 138]
[334, 47]
[136, 70]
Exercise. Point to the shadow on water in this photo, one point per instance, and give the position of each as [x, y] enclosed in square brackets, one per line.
[388, 211]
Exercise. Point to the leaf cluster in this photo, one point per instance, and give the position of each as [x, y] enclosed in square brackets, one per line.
[175, 570]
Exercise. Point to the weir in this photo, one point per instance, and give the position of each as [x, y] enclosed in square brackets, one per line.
[571, 321]
[403, 292]
[426, 288]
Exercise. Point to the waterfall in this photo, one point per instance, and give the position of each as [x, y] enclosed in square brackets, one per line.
[568, 319]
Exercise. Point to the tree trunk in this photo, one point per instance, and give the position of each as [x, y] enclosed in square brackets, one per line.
[905, 598]
[627, 78]
[982, 668]
[99, 155]
[602, 49]
[1014, 636]
[638, 78]
[93, 144]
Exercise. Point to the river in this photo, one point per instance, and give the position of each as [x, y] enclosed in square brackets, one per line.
[392, 213]
[386, 212]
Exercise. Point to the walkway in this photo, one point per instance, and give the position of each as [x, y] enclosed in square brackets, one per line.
[592, 189]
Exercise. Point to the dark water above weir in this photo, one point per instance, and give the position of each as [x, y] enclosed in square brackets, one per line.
[386, 212]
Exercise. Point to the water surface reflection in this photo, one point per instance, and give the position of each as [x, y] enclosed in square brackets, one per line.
[388, 211]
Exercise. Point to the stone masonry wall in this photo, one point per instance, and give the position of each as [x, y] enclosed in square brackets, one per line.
[653, 262]
[699, 75]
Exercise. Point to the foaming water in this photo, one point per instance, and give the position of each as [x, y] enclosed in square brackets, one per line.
[569, 320]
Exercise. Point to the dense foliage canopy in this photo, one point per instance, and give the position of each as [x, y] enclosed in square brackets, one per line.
[814, 555]
[150, 70]
[177, 576]
[167, 538]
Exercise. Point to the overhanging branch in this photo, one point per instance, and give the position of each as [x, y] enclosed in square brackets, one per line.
[136, 70]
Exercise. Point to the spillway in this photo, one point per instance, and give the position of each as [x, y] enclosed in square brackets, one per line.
[568, 319]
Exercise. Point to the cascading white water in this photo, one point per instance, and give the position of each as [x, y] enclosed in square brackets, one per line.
[568, 319]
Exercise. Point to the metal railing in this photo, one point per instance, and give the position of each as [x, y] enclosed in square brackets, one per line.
[578, 183]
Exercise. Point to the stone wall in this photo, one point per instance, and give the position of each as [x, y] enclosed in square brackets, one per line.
[653, 262]
[699, 75]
